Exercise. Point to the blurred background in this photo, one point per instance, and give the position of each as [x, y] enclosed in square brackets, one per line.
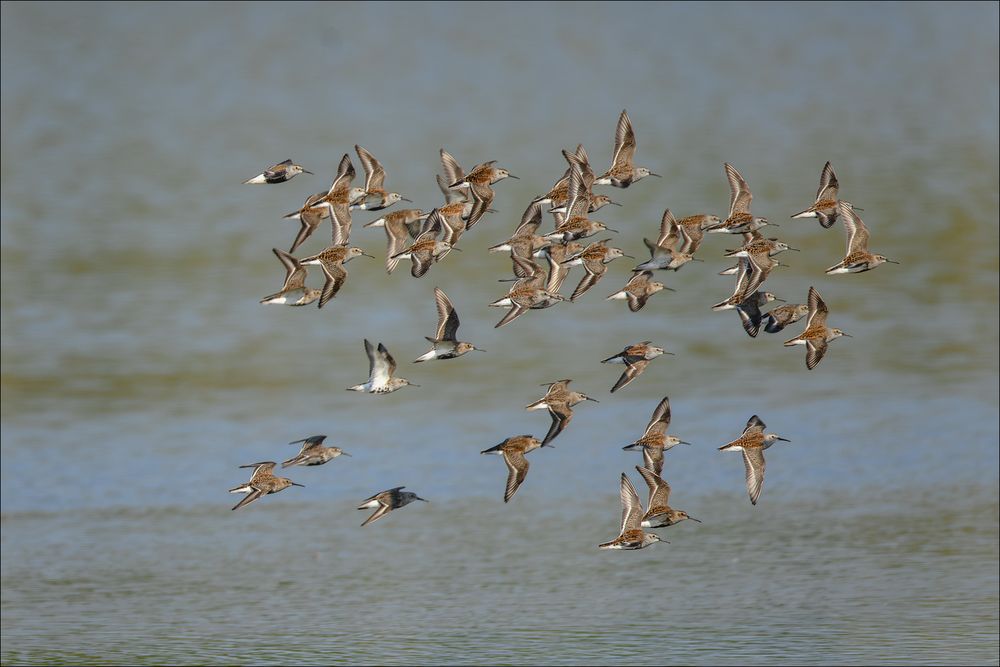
[139, 370]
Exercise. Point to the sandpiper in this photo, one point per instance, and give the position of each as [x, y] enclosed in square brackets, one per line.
[752, 271]
[386, 501]
[557, 252]
[313, 453]
[309, 219]
[445, 344]
[659, 514]
[750, 313]
[453, 173]
[279, 173]
[381, 367]
[824, 209]
[631, 534]
[479, 181]
[752, 443]
[740, 220]
[525, 241]
[262, 482]
[574, 223]
[375, 197]
[754, 243]
[595, 259]
[816, 335]
[559, 401]
[336, 203]
[858, 259]
[655, 440]
[778, 318]
[635, 357]
[638, 290]
[513, 450]
[622, 173]
[675, 245]
[398, 226]
[425, 250]
[449, 223]
[294, 292]
[524, 297]
[332, 262]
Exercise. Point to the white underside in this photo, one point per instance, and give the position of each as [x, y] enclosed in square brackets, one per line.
[256, 180]
[805, 214]
[619, 295]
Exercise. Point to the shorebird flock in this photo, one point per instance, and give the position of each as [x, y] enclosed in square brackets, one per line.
[541, 262]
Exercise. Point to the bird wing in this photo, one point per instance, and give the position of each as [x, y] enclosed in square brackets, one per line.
[739, 193]
[385, 365]
[530, 220]
[754, 424]
[336, 274]
[660, 420]
[447, 316]
[374, 173]
[668, 231]
[857, 232]
[561, 416]
[753, 459]
[517, 470]
[624, 143]
[515, 312]
[345, 175]
[817, 310]
[250, 497]
[828, 185]
[295, 274]
[652, 458]
[659, 490]
[815, 349]
[632, 371]
[309, 219]
[384, 507]
[631, 505]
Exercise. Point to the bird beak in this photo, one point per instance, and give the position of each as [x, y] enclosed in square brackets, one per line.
[345, 454]
[364, 254]
[671, 289]
[683, 442]
[413, 385]
[405, 199]
[629, 256]
[784, 439]
[306, 171]
[588, 398]
[478, 349]
[455, 249]
[513, 176]
[614, 203]
[670, 353]
[773, 223]
[694, 519]
[608, 229]
[294, 484]
[891, 261]
[419, 498]
[657, 175]
[695, 259]
[781, 300]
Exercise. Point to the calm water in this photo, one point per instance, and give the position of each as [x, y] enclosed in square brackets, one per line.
[138, 370]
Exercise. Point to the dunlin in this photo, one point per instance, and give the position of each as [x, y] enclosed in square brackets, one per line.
[750, 313]
[386, 501]
[279, 173]
[375, 197]
[513, 450]
[425, 250]
[525, 241]
[309, 219]
[479, 181]
[595, 259]
[313, 453]
[858, 259]
[638, 290]
[336, 202]
[622, 173]
[824, 208]
[636, 358]
[740, 220]
[659, 514]
[453, 173]
[816, 335]
[445, 344]
[631, 535]
[262, 482]
[752, 443]
[754, 243]
[557, 252]
[332, 262]
[559, 401]
[752, 271]
[294, 292]
[399, 225]
[525, 297]
[675, 245]
[381, 367]
[778, 318]
[655, 440]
